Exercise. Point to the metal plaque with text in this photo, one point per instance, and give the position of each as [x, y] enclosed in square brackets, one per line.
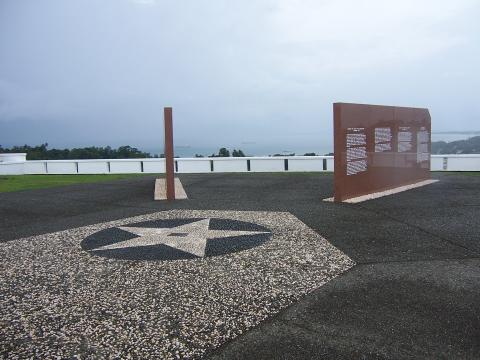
[378, 148]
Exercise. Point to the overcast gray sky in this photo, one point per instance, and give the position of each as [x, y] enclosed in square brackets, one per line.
[83, 72]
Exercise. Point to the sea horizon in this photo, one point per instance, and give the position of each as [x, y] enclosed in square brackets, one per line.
[255, 149]
[323, 146]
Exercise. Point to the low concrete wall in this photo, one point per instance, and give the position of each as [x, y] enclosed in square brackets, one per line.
[93, 167]
[12, 168]
[229, 164]
[267, 165]
[61, 167]
[436, 163]
[13, 157]
[126, 167]
[464, 163]
[193, 165]
[307, 164]
[154, 166]
[461, 162]
[207, 165]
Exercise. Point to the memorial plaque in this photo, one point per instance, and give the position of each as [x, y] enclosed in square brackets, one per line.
[423, 140]
[379, 148]
[356, 151]
[404, 139]
[383, 139]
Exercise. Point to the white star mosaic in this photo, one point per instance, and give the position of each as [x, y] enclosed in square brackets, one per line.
[191, 238]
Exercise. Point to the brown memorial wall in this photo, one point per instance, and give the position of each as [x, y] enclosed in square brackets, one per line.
[377, 148]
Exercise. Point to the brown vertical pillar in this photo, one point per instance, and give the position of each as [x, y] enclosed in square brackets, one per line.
[338, 146]
[169, 166]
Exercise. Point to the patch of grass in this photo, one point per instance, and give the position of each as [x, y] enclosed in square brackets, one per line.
[280, 173]
[303, 173]
[9, 183]
[466, 173]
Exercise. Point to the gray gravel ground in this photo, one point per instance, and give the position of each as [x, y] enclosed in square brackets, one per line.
[413, 293]
[57, 300]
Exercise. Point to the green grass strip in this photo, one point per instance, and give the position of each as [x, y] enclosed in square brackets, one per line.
[465, 173]
[10, 183]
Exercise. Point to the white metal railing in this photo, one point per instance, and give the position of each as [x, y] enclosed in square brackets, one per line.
[207, 165]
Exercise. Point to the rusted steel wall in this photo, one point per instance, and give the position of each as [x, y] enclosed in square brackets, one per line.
[379, 148]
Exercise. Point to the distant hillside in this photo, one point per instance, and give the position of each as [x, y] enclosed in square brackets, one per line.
[469, 146]
[41, 152]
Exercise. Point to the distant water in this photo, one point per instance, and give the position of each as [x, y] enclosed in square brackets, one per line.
[255, 149]
[248, 150]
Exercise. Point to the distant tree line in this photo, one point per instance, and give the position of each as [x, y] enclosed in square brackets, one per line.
[224, 152]
[293, 154]
[468, 146]
[42, 152]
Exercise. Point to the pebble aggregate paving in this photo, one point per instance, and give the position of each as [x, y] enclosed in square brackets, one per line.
[58, 300]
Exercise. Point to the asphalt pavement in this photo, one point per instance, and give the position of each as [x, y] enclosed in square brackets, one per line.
[413, 292]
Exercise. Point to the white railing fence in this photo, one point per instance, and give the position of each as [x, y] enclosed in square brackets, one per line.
[208, 165]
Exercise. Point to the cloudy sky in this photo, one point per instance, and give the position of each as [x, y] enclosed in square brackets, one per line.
[83, 72]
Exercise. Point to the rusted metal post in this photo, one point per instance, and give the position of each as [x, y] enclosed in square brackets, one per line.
[169, 165]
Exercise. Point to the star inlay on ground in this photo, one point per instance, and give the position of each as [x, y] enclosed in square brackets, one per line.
[174, 239]
[191, 238]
